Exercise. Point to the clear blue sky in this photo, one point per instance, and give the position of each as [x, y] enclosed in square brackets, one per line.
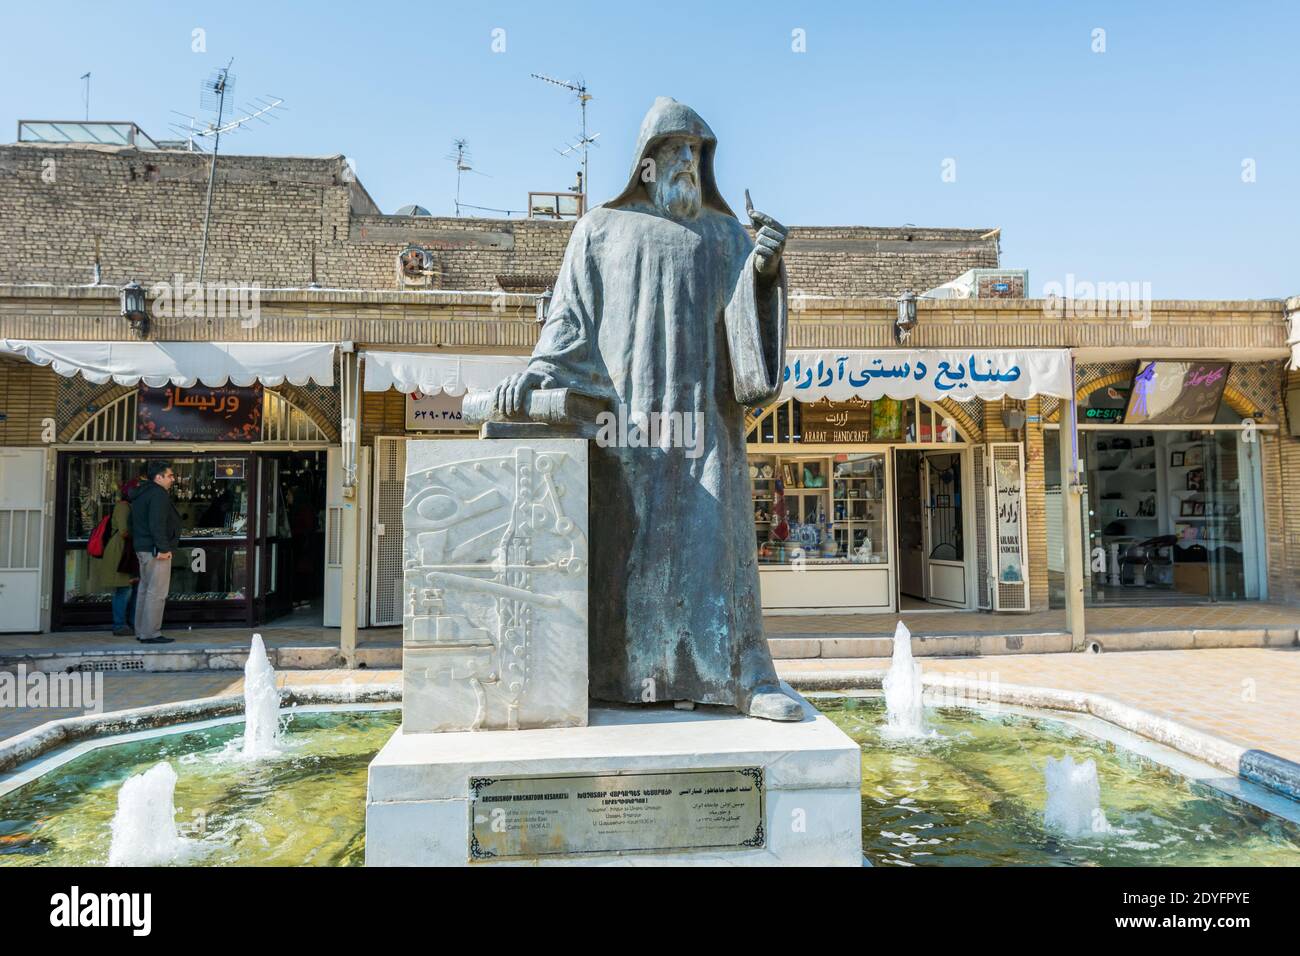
[1117, 166]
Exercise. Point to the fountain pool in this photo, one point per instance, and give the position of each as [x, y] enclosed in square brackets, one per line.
[303, 806]
[974, 793]
[971, 793]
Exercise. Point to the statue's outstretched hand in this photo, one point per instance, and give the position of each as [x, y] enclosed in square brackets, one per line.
[769, 240]
[512, 394]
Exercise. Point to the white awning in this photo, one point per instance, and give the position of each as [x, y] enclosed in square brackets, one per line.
[434, 372]
[930, 374]
[183, 363]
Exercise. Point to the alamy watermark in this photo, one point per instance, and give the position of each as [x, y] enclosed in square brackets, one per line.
[627, 429]
[219, 299]
[1083, 299]
[79, 690]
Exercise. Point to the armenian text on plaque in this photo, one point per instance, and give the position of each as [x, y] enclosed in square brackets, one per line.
[525, 817]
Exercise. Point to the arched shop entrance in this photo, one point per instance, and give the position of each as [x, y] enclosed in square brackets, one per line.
[864, 506]
[1172, 503]
[250, 490]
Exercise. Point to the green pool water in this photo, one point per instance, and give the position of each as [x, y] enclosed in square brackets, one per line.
[971, 795]
[306, 807]
[974, 795]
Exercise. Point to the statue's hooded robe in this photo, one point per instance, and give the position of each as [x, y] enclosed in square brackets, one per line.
[661, 316]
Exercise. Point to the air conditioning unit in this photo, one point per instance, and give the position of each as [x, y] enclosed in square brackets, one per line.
[983, 284]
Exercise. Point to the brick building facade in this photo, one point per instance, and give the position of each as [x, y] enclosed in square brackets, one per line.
[326, 259]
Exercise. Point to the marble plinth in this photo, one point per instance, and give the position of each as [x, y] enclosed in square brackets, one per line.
[419, 805]
[494, 630]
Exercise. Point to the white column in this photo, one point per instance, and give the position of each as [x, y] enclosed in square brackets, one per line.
[1072, 523]
[350, 438]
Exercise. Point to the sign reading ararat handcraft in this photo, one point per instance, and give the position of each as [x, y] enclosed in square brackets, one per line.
[226, 413]
[523, 817]
[837, 423]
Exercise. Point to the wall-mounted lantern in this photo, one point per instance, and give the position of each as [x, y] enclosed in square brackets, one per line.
[134, 307]
[906, 321]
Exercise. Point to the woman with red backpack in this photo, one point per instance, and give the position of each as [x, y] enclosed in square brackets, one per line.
[118, 567]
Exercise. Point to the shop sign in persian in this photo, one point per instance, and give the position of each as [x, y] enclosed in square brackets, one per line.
[526, 817]
[1007, 498]
[930, 374]
[840, 423]
[435, 412]
[227, 413]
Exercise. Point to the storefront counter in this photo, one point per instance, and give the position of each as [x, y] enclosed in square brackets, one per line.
[827, 587]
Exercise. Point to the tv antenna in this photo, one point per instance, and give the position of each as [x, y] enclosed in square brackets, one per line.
[215, 95]
[464, 164]
[585, 141]
[85, 96]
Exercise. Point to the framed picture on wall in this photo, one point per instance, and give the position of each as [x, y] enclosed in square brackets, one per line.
[1187, 509]
[1195, 457]
[1176, 459]
[1200, 508]
[1196, 479]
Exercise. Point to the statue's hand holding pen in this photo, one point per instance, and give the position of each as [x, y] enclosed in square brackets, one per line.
[769, 240]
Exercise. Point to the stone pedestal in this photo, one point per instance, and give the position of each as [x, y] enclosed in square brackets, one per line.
[494, 630]
[636, 786]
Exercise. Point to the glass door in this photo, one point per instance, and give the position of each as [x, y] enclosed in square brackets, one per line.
[942, 528]
[272, 540]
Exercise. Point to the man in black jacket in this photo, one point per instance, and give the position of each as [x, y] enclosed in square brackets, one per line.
[155, 532]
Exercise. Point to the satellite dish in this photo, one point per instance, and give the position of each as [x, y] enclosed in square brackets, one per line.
[413, 210]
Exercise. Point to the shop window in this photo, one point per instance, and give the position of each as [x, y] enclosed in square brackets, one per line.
[824, 509]
[1168, 515]
[211, 496]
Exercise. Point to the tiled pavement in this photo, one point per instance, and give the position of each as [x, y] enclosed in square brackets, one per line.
[921, 623]
[206, 637]
[1249, 696]
[1099, 620]
[124, 691]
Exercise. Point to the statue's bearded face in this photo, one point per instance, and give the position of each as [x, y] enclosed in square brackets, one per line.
[675, 188]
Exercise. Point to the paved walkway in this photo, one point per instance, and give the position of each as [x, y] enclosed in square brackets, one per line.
[1247, 695]
[921, 623]
[1100, 620]
[205, 637]
[124, 691]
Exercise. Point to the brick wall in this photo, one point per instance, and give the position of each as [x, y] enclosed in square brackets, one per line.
[282, 222]
[144, 211]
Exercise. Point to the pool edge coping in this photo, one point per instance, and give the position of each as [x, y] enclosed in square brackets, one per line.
[1261, 767]
[36, 742]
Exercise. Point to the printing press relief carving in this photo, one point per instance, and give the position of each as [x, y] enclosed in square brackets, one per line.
[495, 581]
